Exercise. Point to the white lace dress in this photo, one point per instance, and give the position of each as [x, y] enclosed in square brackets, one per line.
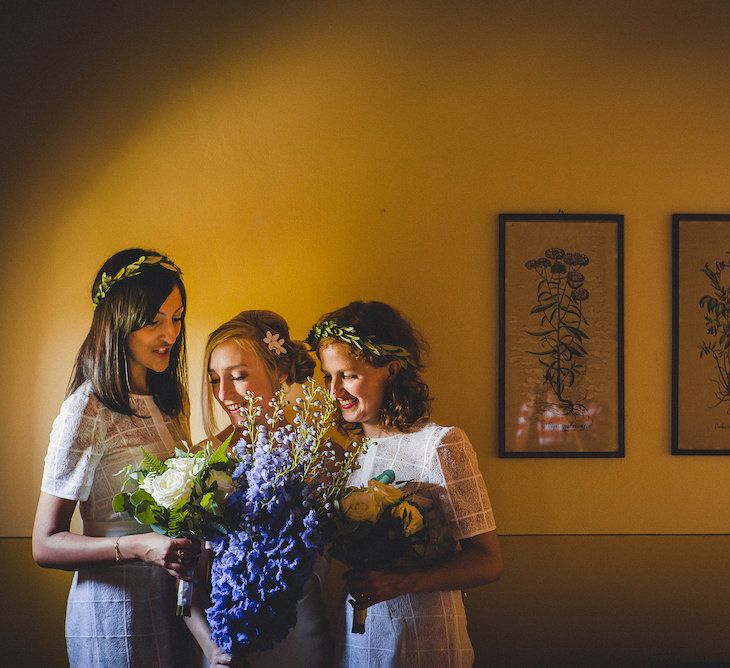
[423, 629]
[120, 616]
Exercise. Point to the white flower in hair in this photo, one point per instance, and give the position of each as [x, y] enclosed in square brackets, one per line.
[275, 343]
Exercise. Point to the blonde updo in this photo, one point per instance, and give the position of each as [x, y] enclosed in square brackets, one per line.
[248, 329]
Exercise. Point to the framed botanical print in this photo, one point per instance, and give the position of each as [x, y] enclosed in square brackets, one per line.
[700, 334]
[561, 335]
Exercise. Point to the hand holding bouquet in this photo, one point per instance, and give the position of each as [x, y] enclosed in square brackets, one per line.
[185, 495]
[382, 527]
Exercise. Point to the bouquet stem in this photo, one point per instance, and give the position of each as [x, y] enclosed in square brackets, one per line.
[184, 598]
[358, 620]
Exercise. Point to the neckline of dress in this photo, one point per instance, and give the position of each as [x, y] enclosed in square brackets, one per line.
[377, 439]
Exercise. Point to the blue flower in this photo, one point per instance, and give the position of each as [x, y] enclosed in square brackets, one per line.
[259, 572]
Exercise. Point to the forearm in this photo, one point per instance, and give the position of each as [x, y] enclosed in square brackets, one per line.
[463, 570]
[478, 562]
[198, 626]
[197, 623]
[72, 552]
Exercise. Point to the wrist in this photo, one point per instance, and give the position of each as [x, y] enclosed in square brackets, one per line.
[125, 548]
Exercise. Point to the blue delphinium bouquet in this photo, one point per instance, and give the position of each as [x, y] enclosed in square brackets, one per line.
[285, 486]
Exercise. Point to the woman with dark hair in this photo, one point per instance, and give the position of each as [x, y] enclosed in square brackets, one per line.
[254, 352]
[372, 359]
[128, 390]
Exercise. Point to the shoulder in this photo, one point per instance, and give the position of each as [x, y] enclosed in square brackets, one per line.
[82, 402]
[83, 413]
[441, 435]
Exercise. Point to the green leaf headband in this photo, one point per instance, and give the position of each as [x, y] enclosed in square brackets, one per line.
[132, 269]
[331, 329]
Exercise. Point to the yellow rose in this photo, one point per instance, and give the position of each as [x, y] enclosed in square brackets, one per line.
[411, 517]
[361, 506]
[384, 494]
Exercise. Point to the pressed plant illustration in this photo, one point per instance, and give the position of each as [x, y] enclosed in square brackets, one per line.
[562, 335]
[717, 324]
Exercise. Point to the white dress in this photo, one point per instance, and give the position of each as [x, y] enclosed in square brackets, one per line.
[422, 629]
[120, 616]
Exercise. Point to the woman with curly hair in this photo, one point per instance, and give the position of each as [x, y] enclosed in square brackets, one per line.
[372, 359]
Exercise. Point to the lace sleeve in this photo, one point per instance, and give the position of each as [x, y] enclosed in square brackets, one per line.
[464, 496]
[75, 448]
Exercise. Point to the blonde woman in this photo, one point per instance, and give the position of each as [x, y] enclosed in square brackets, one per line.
[253, 352]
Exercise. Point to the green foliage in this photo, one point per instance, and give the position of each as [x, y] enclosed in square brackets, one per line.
[151, 464]
[120, 503]
[331, 329]
[197, 514]
[132, 269]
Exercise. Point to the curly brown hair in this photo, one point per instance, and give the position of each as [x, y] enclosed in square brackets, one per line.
[407, 400]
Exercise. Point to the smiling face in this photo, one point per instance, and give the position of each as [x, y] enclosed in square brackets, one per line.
[149, 348]
[234, 370]
[358, 387]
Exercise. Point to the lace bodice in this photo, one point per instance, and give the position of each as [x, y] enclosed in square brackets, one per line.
[441, 463]
[89, 444]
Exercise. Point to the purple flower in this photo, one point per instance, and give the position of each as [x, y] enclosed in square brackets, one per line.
[259, 572]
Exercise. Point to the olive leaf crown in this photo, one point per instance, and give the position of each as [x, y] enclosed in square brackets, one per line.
[132, 269]
[331, 329]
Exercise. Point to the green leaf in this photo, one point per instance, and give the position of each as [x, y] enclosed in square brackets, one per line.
[119, 502]
[151, 463]
[139, 496]
[146, 516]
[220, 455]
[176, 521]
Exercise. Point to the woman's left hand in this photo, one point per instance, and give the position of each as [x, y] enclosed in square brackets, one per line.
[371, 587]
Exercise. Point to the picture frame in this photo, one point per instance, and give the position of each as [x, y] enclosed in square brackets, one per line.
[700, 334]
[561, 355]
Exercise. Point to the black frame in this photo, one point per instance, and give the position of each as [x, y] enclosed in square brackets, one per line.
[617, 220]
[677, 219]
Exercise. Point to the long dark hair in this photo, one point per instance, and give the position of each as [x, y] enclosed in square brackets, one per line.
[130, 304]
[407, 400]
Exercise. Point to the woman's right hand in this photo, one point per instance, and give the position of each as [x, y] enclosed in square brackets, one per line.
[220, 658]
[177, 556]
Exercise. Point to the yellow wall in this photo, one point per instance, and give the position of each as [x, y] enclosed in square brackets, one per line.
[304, 156]
[298, 156]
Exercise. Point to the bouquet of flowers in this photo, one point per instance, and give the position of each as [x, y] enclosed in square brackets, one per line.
[185, 495]
[286, 483]
[383, 527]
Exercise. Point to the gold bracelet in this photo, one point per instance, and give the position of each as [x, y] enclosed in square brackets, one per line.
[117, 553]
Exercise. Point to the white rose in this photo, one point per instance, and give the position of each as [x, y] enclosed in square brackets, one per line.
[189, 465]
[168, 488]
[225, 482]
